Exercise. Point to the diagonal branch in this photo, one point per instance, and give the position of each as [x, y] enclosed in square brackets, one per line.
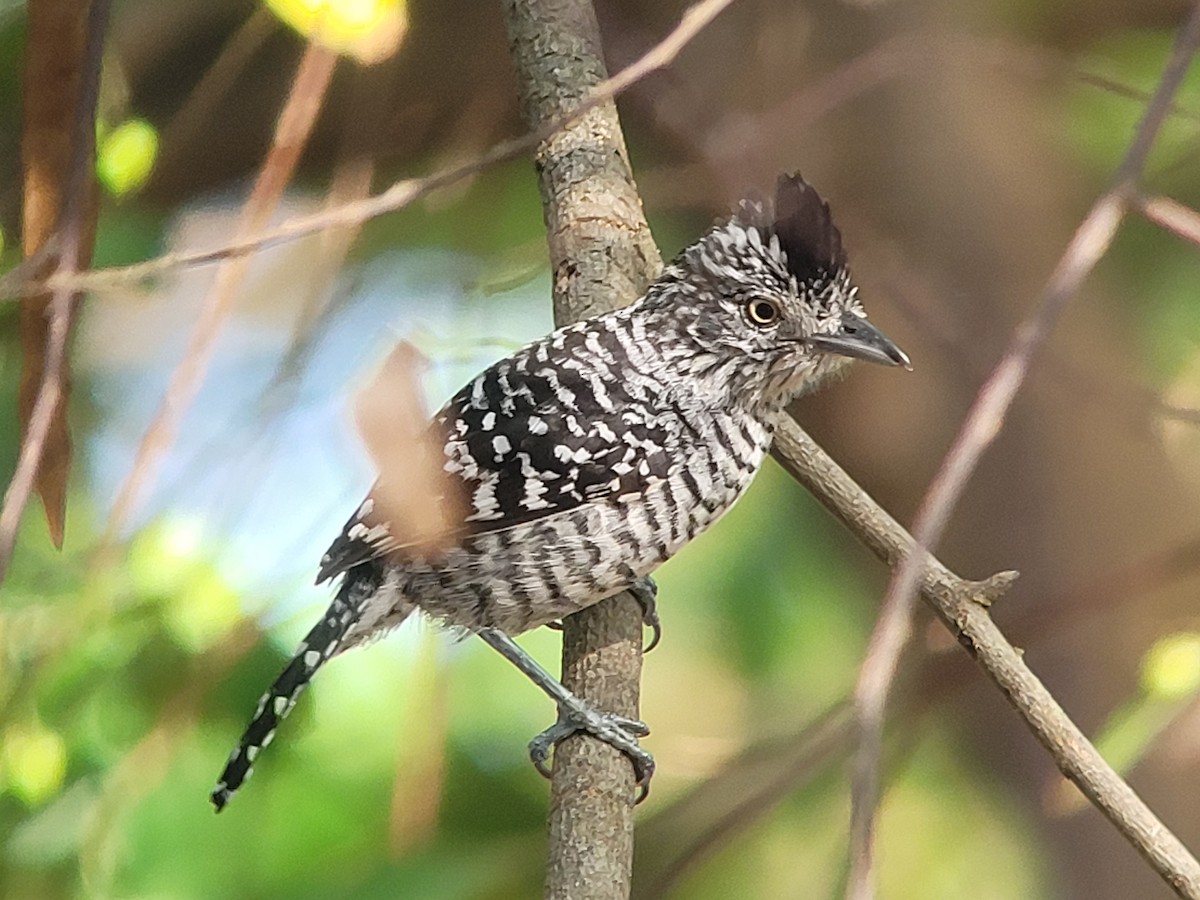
[20, 282]
[687, 831]
[1171, 215]
[983, 423]
[962, 607]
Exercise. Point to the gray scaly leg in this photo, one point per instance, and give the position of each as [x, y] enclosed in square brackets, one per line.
[574, 716]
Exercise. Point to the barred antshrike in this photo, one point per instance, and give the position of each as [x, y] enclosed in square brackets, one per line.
[589, 457]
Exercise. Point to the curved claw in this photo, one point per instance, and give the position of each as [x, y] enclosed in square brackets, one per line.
[643, 771]
[540, 746]
[645, 592]
[657, 628]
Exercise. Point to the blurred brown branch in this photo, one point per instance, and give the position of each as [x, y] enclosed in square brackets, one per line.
[65, 49]
[401, 194]
[983, 423]
[747, 788]
[316, 306]
[962, 607]
[727, 146]
[869, 70]
[296, 121]
[1180, 220]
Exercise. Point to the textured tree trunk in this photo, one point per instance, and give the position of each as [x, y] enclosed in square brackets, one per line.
[602, 256]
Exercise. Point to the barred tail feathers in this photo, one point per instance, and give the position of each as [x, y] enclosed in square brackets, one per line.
[321, 643]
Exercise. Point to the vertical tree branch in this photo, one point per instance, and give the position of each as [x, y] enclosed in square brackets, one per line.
[602, 256]
[64, 50]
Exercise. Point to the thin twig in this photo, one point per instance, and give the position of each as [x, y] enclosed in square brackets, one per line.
[811, 104]
[963, 608]
[235, 55]
[1171, 215]
[69, 248]
[317, 307]
[752, 784]
[983, 423]
[399, 195]
[291, 135]
[16, 496]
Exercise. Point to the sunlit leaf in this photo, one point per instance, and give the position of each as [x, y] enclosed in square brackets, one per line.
[367, 30]
[1170, 678]
[171, 563]
[126, 155]
[161, 556]
[1171, 670]
[35, 760]
[199, 615]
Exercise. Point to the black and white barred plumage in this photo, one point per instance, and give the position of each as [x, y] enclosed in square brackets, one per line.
[589, 457]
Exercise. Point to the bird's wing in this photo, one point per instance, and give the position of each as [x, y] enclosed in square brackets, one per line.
[526, 439]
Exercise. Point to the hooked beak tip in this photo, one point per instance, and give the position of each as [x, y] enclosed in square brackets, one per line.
[859, 339]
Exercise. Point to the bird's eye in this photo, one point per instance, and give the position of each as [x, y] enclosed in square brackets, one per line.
[762, 312]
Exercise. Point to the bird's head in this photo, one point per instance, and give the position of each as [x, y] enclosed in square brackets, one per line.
[766, 301]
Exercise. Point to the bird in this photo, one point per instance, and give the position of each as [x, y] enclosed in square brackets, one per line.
[583, 461]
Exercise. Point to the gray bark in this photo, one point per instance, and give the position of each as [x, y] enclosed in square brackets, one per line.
[602, 256]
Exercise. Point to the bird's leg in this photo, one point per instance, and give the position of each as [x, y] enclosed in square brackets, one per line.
[575, 715]
[645, 592]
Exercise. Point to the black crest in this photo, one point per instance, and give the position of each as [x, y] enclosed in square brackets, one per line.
[805, 229]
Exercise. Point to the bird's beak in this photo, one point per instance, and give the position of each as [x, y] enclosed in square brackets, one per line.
[859, 339]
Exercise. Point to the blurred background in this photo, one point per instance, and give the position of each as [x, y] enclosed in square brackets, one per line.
[959, 145]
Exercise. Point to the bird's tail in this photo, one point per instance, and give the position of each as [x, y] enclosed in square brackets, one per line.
[314, 651]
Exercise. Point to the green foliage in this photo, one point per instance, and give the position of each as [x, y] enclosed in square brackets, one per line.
[1100, 123]
[125, 156]
[1158, 299]
[127, 676]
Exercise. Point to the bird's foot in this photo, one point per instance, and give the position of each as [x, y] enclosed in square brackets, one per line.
[617, 731]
